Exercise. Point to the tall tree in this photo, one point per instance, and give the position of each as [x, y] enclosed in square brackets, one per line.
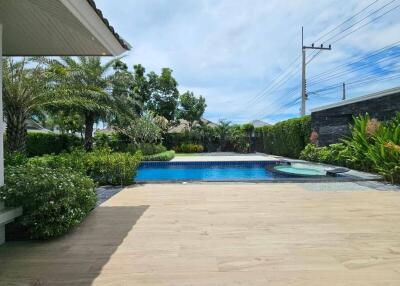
[141, 84]
[89, 78]
[164, 94]
[125, 88]
[191, 107]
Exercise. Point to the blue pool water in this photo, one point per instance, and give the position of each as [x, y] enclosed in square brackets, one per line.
[205, 171]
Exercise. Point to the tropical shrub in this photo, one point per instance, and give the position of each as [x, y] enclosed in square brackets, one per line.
[239, 138]
[53, 200]
[189, 148]
[287, 138]
[372, 146]
[335, 154]
[164, 156]
[48, 143]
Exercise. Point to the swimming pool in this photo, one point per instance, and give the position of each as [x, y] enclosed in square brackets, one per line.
[207, 171]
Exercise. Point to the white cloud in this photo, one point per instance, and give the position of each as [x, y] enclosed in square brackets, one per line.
[229, 50]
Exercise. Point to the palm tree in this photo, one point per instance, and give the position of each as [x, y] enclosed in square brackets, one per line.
[26, 91]
[90, 79]
[223, 132]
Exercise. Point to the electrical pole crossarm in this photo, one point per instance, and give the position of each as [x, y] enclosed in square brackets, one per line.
[318, 48]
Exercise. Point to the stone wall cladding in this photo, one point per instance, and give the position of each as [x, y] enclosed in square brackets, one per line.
[332, 124]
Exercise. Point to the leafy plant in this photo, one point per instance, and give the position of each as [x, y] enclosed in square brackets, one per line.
[54, 200]
[372, 146]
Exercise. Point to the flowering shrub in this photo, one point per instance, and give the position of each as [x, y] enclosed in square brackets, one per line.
[53, 200]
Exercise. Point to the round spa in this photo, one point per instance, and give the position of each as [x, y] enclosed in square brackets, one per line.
[300, 170]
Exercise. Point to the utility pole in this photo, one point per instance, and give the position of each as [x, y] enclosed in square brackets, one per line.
[303, 70]
[344, 91]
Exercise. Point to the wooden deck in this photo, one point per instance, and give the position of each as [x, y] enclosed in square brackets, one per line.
[222, 234]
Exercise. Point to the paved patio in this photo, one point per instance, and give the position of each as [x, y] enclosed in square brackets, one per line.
[223, 234]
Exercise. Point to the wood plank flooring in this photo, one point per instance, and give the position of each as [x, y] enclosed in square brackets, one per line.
[222, 234]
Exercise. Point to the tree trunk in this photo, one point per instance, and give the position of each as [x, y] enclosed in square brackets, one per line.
[16, 133]
[89, 122]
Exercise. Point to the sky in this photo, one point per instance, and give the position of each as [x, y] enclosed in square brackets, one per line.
[244, 56]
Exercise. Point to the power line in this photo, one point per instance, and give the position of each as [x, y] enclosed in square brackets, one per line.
[346, 21]
[361, 67]
[359, 21]
[358, 59]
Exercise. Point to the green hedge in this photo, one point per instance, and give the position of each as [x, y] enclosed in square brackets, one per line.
[103, 166]
[164, 156]
[287, 138]
[120, 143]
[48, 143]
[53, 200]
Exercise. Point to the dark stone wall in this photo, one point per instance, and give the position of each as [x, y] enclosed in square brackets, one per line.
[333, 124]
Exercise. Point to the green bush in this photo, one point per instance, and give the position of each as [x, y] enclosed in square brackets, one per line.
[76, 160]
[53, 200]
[14, 159]
[112, 168]
[335, 154]
[149, 149]
[164, 156]
[102, 165]
[47, 143]
[189, 148]
[287, 138]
